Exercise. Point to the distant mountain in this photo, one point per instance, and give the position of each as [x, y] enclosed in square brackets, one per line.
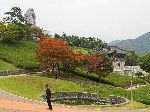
[140, 45]
[114, 42]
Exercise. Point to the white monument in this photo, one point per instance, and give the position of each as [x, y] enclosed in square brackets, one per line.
[30, 17]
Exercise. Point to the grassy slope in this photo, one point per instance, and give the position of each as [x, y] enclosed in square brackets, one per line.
[112, 79]
[33, 87]
[21, 54]
[81, 50]
[6, 66]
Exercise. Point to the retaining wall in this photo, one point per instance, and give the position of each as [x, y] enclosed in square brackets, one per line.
[13, 72]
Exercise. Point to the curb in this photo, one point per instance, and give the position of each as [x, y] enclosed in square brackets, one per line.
[24, 98]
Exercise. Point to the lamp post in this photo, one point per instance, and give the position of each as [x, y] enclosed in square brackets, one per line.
[132, 72]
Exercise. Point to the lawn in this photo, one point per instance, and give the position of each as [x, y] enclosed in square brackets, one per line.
[6, 66]
[33, 87]
[111, 79]
[21, 54]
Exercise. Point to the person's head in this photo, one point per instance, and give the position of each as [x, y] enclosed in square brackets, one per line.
[46, 85]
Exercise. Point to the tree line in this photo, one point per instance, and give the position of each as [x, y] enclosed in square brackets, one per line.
[90, 42]
[14, 27]
[55, 53]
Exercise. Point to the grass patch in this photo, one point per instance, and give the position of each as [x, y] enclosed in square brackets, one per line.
[121, 80]
[33, 86]
[82, 50]
[147, 78]
[130, 105]
[111, 79]
[6, 66]
[21, 54]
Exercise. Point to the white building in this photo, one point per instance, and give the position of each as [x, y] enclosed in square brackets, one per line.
[118, 56]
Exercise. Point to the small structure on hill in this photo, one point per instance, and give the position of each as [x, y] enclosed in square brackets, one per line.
[119, 61]
[30, 17]
[118, 56]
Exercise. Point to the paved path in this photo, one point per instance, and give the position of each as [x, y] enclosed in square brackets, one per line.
[11, 103]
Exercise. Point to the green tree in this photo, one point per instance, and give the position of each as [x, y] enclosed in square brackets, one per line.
[131, 59]
[139, 74]
[14, 16]
[2, 30]
[36, 32]
[144, 62]
[14, 33]
[105, 67]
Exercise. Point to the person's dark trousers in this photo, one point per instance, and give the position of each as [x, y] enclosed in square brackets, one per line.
[49, 104]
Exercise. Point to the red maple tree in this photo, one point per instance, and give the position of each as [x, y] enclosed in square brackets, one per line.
[92, 61]
[53, 52]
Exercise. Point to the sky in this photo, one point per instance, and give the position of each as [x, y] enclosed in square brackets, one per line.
[105, 19]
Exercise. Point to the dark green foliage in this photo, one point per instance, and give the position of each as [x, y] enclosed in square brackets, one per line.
[131, 59]
[84, 73]
[106, 67]
[144, 62]
[121, 80]
[77, 41]
[147, 78]
[15, 32]
[20, 54]
[142, 95]
[111, 79]
[139, 74]
[2, 30]
[14, 16]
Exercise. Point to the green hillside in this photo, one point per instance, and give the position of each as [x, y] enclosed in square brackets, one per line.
[6, 66]
[140, 45]
[21, 54]
[21, 85]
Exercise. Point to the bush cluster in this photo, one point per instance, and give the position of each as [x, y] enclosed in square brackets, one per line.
[111, 79]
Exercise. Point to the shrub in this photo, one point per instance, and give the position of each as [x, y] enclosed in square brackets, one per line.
[111, 79]
[14, 33]
[2, 30]
[121, 80]
[142, 95]
[147, 78]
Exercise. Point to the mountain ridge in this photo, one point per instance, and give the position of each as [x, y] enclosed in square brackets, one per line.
[140, 45]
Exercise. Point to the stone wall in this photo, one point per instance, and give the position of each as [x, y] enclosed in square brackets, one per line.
[113, 100]
[75, 95]
[13, 72]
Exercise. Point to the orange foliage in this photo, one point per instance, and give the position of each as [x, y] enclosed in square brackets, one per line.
[92, 61]
[53, 51]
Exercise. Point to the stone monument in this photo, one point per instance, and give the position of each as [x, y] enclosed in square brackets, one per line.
[30, 17]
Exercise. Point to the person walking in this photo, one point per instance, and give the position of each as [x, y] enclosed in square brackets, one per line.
[48, 96]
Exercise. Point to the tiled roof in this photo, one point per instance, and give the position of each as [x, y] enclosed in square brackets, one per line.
[117, 50]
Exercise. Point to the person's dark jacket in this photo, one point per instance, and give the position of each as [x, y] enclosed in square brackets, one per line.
[48, 93]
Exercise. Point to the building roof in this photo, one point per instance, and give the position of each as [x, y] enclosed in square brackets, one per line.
[117, 50]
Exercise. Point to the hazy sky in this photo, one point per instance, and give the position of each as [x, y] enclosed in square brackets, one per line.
[105, 19]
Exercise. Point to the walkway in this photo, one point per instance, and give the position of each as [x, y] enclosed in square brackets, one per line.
[11, 103]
